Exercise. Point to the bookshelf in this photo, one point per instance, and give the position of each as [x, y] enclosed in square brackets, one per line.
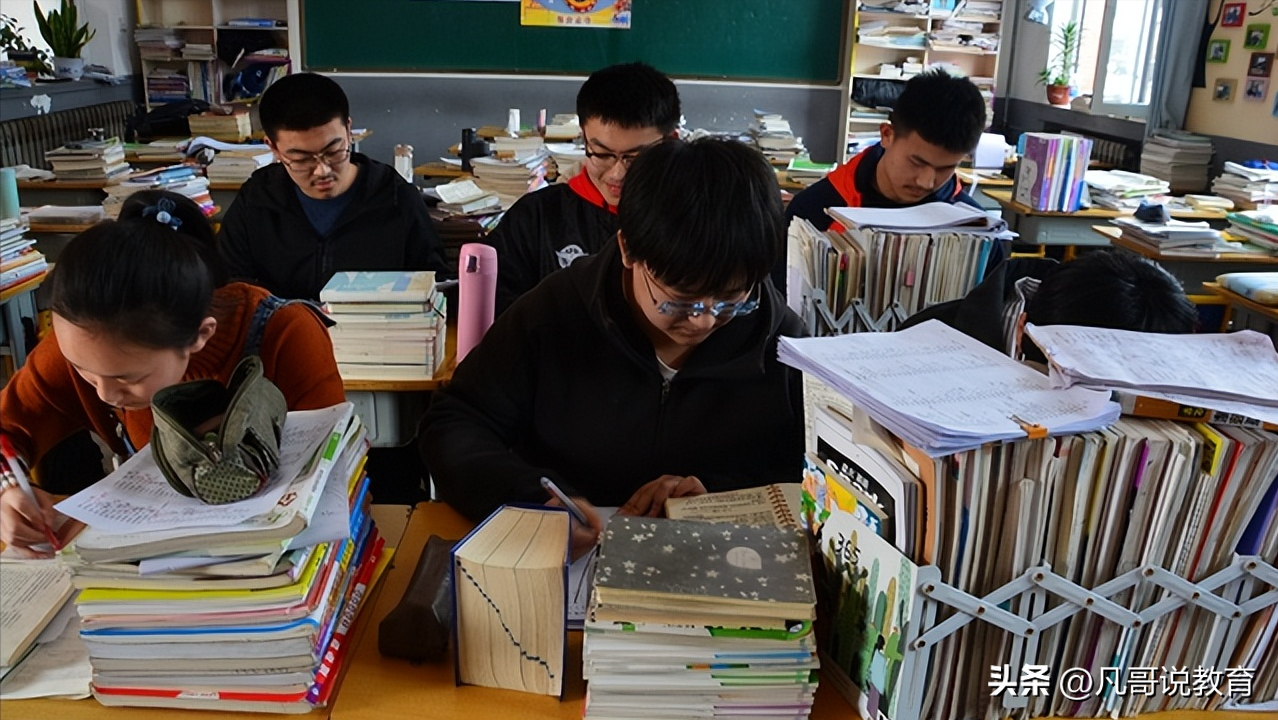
[878, 38]
[187, 48]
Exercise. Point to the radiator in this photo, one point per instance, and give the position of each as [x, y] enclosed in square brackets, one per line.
[26, 141]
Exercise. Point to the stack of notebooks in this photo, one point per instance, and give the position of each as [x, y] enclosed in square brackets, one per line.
[1049, 177]
[235, 166]
[89, 160]
[1089, 505]
[389, 325]
[689, 618]
[881, 266]
[233, 128]
[20, 262]
[1181, 158]
[181, 179]
[1247, 186]
[1122, 190]
[523, 172]
[772, 135]
[1175, 238]
[244, 606]
[1259, 227]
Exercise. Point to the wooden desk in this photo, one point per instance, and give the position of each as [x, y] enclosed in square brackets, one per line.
[1192, 271]
[971, 177]
[1061, 228]
[1234, 298]
[1245, 313]
[442, 375]
[16, 303]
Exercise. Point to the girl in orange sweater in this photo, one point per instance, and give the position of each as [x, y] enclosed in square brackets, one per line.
[138, 305]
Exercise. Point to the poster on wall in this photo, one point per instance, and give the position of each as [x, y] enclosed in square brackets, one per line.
[613, 14]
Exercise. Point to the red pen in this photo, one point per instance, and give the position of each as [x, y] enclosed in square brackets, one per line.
[17, 468]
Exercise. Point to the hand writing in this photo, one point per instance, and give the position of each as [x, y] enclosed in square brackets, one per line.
[650, 499]
[22, 522]
[584, 536]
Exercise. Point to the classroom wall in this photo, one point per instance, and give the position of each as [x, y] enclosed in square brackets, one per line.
[429, 111]
[1239, 117]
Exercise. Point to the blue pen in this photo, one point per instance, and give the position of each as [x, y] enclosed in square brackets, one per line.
[569, 505]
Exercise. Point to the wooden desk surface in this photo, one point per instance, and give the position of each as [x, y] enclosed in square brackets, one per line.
[1115, 236]
[56, 228]
[17, 290]
[984, 179]
[65, 184]
[1004, 198]
[1234, 298]
[441, 378]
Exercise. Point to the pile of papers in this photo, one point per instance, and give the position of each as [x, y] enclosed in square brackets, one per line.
[771, 134]
[181, 179]
[464, 197]
[1122, 190]
[1181, 158]
[390, 325]
[1050, 174]
[566, 159]
[1259, 227]
[89, 160]
[243, 606]
[963, 35]
[20, 262]
[1247, 185]
[880, 33]
[942, 391]
[695, 619]
[563, 127]
[1176, 238]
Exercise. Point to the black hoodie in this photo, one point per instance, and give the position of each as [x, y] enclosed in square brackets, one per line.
[266, 238]
[566, 385]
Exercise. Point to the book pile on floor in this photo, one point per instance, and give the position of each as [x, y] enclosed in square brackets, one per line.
[233, 127]
[89, 160]
[235, 166]
[389, 325]
[1259, 227]
[700, 619]
[772, 135]
[1045, 525]
[1246, 185]
[242, 606]
[1181, 158]
[20, 262]
[1122, 190]
[1049, 176]
[181, 179]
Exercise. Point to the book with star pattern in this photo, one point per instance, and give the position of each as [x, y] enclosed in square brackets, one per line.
[705, 568]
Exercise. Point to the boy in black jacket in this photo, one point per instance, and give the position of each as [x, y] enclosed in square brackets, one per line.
[646, 371]
[623, 109]
[322, 208]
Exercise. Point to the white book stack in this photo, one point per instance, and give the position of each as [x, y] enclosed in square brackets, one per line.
[1247, 186]
[568, 158]
[235, 167]
[772, 135]
[511, 178]
[389, 325]
[20, 262]
[1121, 190]
[1180, 158]
[89, 160]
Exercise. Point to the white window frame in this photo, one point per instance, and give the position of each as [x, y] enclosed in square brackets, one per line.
[1149, 49]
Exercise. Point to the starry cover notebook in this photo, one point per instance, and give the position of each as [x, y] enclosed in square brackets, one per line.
[690, 566]
[510, 600]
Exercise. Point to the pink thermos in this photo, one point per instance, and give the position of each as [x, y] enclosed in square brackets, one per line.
[476, 295]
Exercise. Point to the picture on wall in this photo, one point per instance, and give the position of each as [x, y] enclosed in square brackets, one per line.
[1234, 14]
[613, 14]
[1218, 51]
[1257, 37]
[1224, 90]
[1257, 89]
[1275, 110]
[1261, 65]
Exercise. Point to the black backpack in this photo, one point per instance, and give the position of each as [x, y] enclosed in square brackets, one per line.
[166, 121]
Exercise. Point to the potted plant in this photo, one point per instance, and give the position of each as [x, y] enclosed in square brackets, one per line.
[66, 38]
[20, 50]
[1059, 73]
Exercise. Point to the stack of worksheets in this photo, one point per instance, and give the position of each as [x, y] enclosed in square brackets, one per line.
[1181, 158]
[1247, 184]
[1121, 190]
[242, 606]
[389, 325]
[700, 619]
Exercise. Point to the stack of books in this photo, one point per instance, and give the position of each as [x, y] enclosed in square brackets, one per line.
[389, 325]
[1259, 227]
[181, 179]
[566, 160]
[1181, 158]
[166, 85]
[805, 172]
[89, 160]
[1247, 186]
[511, 179]
[563, 127]
[464, 197]
[235, 166]
[1122, 190]
[772, 135]
[689, 618]
[233, 128]
[20, 262]
[244, 606]
[1049, 177]
[1174, 238]
[157, 43]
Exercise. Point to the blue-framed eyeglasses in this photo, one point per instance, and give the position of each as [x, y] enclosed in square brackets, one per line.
[720, 310]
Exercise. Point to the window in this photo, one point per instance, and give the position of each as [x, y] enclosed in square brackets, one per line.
[1118, 51]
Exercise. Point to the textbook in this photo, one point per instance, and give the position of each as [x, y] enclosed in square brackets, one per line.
[1259, 286]
[776, 504]
[31, 593]
[510, 600]
[390, 286]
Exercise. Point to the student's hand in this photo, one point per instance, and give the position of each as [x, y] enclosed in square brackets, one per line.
[584, 537]
[650, 500]
[22, 522]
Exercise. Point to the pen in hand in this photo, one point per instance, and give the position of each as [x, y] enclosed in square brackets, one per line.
[15, 468]
[568, 504]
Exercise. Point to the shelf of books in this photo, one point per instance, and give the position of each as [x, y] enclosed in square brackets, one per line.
[892, 41]
[217, 51]
[1016, 548]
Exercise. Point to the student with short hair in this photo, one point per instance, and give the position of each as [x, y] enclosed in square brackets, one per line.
[646, 371]
[139, 305]
[322, 208]
[623, 109]
[937, 122]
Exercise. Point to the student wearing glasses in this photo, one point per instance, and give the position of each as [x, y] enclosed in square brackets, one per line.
[322, 208]
[623, 109]
[645, 371]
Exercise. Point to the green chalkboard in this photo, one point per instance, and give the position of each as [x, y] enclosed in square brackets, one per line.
[780, 40]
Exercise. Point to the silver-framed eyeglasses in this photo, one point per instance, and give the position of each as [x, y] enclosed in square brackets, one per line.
[329, 158]
[722, 310]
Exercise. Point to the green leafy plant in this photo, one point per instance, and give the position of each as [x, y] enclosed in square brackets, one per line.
[1060, 67]
[14, 42]
[61, 29]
